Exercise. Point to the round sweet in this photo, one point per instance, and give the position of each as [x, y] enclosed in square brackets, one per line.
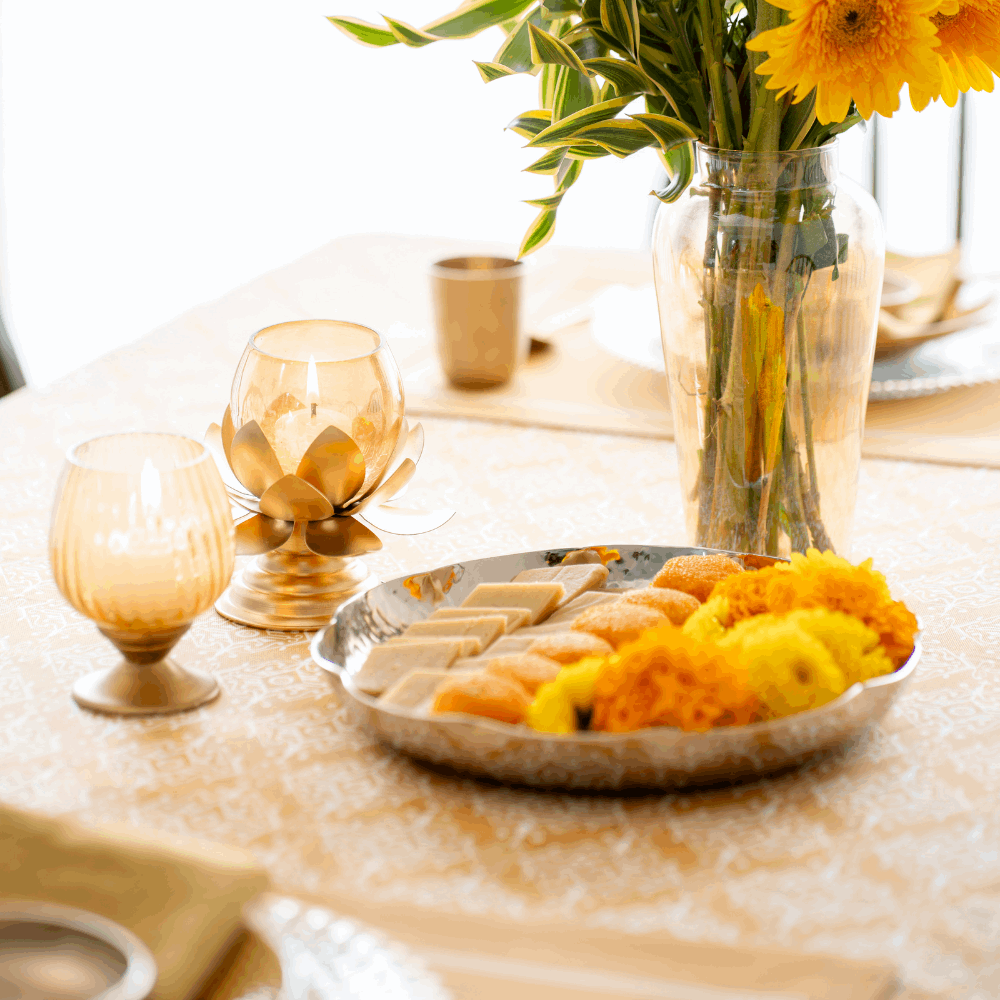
[618, 622]
[568, 647]
[675, 604]
[530, 670]
[485, 694]
[695, 575]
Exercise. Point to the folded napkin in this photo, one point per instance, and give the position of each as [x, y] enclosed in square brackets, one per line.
[182, 897]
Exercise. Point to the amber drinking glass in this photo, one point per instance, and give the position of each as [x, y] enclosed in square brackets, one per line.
[142, 543]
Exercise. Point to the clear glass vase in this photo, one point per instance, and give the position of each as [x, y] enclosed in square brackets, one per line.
[768, 274]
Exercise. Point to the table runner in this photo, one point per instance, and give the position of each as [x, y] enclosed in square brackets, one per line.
[889, 854]
[382, 281]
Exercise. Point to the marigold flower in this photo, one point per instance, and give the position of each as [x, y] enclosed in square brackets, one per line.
[860, 49]
[788, 669]
[968, 54]
[746, 594]
[554, 707]
[711, 620]
[667, 678]
[824, 580]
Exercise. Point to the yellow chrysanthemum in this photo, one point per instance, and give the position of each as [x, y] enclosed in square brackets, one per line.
[555, 704]
[968, 54]
[788, 669]
[860, 49]
[711, 620]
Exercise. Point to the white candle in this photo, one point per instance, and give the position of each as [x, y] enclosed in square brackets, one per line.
[295, 431]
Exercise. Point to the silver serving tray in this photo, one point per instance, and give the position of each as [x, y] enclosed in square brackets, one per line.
[971, 357]
[656, 758]
[51, 952]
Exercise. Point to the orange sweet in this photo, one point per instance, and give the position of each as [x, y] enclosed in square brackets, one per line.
[618, 622]
[483, 694]
[675, 604]
[530, 670]
[568, 647]
[696, 575]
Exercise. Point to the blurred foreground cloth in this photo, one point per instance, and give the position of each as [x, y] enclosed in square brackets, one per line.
[182, 897]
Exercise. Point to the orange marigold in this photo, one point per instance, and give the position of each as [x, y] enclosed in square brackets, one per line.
[666, 678]
[824, 580]
[746, 594]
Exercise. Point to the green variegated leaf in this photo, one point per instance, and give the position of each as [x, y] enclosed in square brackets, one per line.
[552, 201]
[561, 8]
[546, 48]
[574, 92]
[539, 232]
[494, 71]
[515, 53]
[547, 164]
[565, 127]
[531, 123]
[569, 171]
[471, 18]
[407, 34]
[607, 93]
[585, 151]
[618, 136]
[548, 83]
[668, 132]
[362, 31]
[679, 164]
[626, 77]
[620, 19]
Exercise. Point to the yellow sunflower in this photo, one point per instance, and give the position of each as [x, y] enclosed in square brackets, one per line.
[968, 54]
[861, 49]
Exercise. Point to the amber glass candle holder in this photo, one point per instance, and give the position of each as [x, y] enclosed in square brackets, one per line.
[313, 436]
[142, 542]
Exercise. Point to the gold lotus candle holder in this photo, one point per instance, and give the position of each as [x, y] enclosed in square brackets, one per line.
[312, 446]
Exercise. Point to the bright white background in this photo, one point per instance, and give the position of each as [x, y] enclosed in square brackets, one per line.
[156, 156]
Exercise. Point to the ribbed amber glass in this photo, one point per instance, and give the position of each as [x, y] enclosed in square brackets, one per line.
[142, 532]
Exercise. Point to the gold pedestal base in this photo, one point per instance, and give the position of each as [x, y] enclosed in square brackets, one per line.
[145, 682]
[293, 589]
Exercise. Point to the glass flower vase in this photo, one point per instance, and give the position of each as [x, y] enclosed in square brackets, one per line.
[768, 274]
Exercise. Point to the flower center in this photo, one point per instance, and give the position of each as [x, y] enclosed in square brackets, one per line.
[852, 22]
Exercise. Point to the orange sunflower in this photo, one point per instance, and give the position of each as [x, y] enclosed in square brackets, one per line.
[860, 49]
[968, 54]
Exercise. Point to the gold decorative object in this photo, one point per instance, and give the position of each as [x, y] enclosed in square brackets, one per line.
[478, 315]
[312, 446]
[142, 543]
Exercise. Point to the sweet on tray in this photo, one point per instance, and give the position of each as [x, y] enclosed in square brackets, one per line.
[758, 644]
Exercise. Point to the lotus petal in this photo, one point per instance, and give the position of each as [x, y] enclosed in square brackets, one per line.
[397, 452]
[213, 441]
[246, 501]
[253, 459]
[334, 465]
[259, 534]
[341, 536]
[293, 499]
[413, 448]
[228, 433]
[388, 488]
[404, 521]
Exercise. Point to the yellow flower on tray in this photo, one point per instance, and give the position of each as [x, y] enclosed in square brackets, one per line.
[555, 706]
[788, 669]
[865, 49]
[969, 51]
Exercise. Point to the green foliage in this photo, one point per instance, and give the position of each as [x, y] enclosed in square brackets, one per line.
[685, 59]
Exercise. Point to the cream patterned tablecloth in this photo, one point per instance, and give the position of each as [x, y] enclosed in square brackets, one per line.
[890, 853]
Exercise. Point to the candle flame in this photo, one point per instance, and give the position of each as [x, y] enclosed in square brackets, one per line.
[312, 386]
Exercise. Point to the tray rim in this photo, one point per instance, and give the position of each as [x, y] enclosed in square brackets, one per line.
[721, 733]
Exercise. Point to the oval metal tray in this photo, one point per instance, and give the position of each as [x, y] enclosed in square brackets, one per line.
[655, 758]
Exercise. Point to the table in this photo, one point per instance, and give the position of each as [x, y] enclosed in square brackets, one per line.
[892, 852]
